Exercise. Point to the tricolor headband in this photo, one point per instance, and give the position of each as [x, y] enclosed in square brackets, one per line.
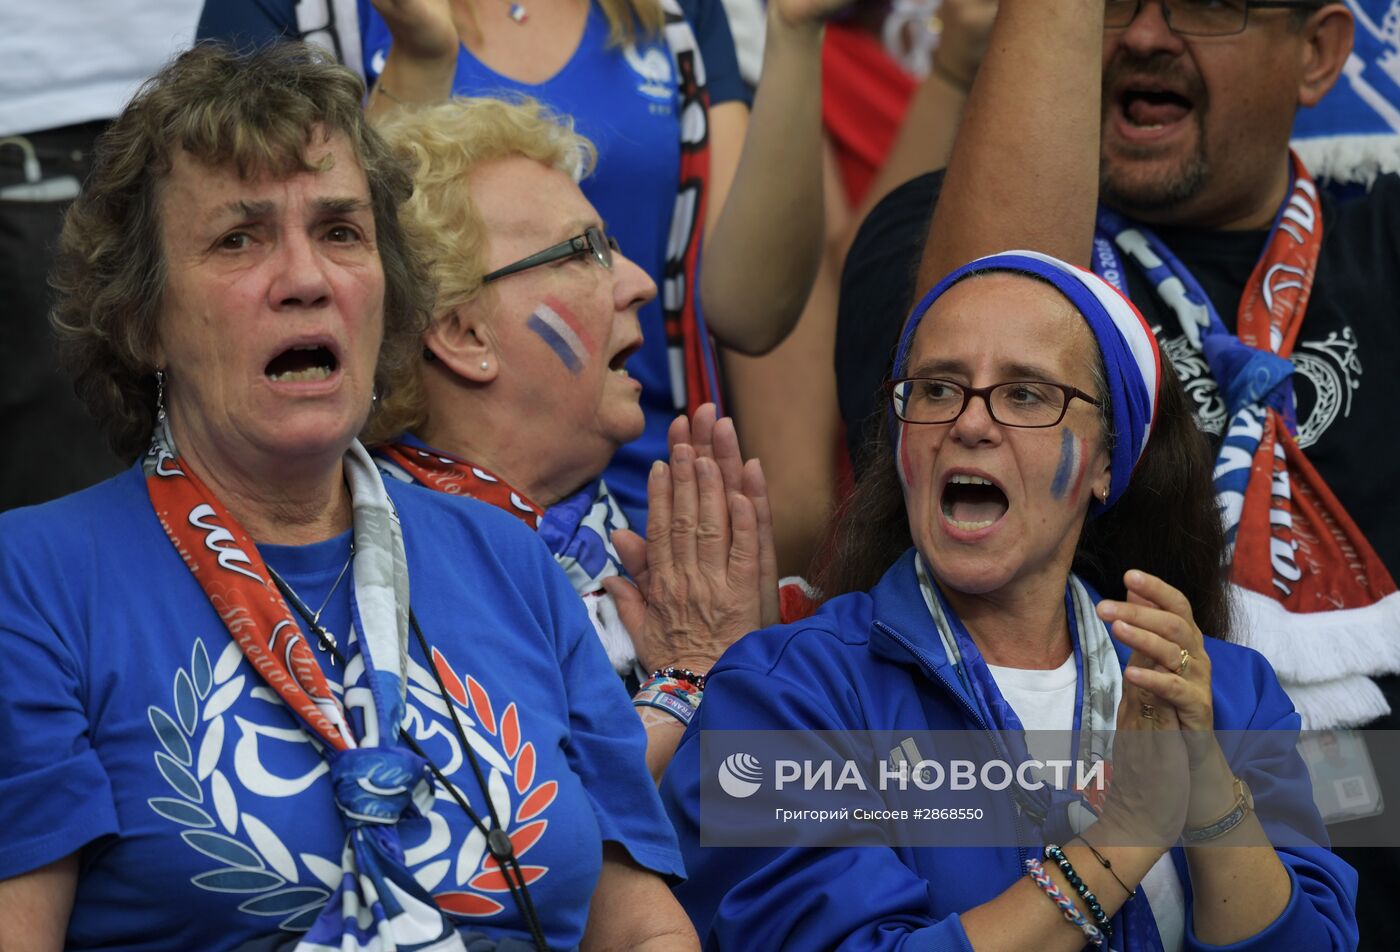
[1129, 350]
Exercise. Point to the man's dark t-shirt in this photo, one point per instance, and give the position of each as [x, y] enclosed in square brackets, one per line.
[1347, 382]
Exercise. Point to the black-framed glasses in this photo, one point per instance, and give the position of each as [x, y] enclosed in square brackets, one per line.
[1024, 403]
[1200, 17]
[593, 241]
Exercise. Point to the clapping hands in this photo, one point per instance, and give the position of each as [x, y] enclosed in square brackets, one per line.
[706, 574]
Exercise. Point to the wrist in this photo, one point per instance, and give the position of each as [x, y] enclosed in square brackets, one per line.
[698, 663]
[418, 80]
[807, 31]
[1213, 826]
[1123, 833]
[1212, 791]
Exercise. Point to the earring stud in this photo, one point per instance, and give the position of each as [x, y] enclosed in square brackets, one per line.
[486, 365]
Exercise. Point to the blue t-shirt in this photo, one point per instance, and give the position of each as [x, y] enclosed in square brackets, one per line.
[625, 102]
[136, 731]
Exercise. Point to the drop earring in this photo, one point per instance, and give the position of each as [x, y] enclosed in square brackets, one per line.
[160, 395]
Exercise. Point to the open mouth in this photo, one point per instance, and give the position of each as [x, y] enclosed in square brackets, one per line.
[619, 359]
[972, 502]
[304, 364]
[1152, 109]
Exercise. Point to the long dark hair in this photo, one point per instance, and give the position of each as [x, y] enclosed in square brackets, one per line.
[1166, 523]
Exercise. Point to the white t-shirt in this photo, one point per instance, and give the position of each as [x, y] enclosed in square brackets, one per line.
[63, 62]
[1044, 701]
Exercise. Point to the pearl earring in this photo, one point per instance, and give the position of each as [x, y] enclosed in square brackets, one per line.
[486, 365]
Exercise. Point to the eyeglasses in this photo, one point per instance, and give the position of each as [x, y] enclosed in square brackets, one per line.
[1024, 403]
[1199, 17]
[593, 241]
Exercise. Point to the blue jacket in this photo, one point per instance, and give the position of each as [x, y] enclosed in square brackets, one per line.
[874, 662]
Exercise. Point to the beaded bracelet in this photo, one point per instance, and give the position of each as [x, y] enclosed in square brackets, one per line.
[1066, 905]
[682, 674]
[1053, 852]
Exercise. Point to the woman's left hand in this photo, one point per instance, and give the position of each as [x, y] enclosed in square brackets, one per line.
[1171, 666]
[1156, 622]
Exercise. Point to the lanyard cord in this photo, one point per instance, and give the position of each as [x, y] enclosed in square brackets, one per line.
[497, 841]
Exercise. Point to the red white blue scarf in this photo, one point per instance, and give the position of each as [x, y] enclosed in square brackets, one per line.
[578, 529]
[1310, 591]
[693, 376]
[378, 905]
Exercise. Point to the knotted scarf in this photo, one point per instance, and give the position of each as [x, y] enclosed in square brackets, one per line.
[578, 529]
[1310, 591]
[1132, 364]
[378, 905]
[693, 377]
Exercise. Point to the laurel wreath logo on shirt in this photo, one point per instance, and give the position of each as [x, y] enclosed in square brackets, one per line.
[253, 860]
[262, 867]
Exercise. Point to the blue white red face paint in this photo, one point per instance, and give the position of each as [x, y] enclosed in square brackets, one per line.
[901, 444]
[906, 471]
[1069, 472]
[558, 327]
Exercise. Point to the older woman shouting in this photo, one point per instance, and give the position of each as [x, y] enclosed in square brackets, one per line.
[1040, 450]
[256, 698]
[522, 396]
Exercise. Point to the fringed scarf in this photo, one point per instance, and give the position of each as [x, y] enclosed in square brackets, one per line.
[1309, 590]
[378, 905]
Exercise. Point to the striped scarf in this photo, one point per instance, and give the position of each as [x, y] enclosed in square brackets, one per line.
[378, 905]
[1309, 590]
[694, 379]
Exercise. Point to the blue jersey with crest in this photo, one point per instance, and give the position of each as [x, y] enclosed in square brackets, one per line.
[137, 733]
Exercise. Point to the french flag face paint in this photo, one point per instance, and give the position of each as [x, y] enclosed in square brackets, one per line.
[558, 327]
[901, 439]
[1069, 473]
[1132, 361]
[906, 469]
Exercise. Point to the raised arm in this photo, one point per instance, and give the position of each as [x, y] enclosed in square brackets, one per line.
[763, 228]
[423, 57]
[1024, 168]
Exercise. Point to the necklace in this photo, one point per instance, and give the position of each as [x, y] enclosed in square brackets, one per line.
[323, 635]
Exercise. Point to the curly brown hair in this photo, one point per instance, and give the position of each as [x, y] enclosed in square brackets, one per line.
[255, 113]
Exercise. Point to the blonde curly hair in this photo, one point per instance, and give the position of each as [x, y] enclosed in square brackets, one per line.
[442, 145]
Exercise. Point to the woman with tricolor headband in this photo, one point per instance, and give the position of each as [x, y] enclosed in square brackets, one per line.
[522, 396]
[1038, 454]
